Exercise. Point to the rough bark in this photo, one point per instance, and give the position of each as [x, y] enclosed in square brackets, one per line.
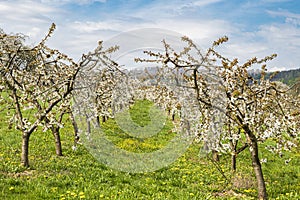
[88, 126]
[233, 162]
[262, 192]
[74, 124]
[56, 134]
[25, 149]
[98, 121]
[261, 186]
[236, 153]
[233, 145]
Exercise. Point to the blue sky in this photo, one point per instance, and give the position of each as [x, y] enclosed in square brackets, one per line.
[254, 27]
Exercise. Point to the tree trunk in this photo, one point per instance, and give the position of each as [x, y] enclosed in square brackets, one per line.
[261, 186]
[75, 127]
[262, 192]
[98, 121]
[233, 162]
[88, 126]
[103, 119]
[58, 148]
[233, 146]
[25, 149]
[215, 156]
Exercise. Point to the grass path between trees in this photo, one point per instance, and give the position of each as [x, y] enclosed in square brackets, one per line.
[77, 175]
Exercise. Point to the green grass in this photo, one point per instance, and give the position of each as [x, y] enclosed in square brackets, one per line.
[77, 175]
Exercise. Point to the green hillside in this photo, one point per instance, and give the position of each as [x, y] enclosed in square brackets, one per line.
[288, 77]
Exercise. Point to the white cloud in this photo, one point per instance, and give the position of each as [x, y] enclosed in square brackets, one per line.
[29, 17]
[94, 26]
[284, 39]
[291, 18]
[205, 2]
[81, 36]
[75, 35]
[275, 1]
[193, 5]
[79, 2]
[26, 10]
[284, 13]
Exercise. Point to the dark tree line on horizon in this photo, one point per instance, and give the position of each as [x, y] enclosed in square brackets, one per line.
[288, 77]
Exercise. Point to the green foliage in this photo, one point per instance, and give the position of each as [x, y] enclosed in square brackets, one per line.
[78, 175]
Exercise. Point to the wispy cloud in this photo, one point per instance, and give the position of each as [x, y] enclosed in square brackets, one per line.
[275, 1]
[194, 5]
[29, 17]
[79, 2]
[284, 13]
[290, 17]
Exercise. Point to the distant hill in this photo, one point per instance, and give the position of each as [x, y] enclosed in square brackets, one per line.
[288, 77]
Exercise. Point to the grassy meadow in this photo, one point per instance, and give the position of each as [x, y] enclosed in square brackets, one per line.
[77, 175]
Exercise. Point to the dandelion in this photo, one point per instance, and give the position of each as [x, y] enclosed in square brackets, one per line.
[73, 194]
[248, 190]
